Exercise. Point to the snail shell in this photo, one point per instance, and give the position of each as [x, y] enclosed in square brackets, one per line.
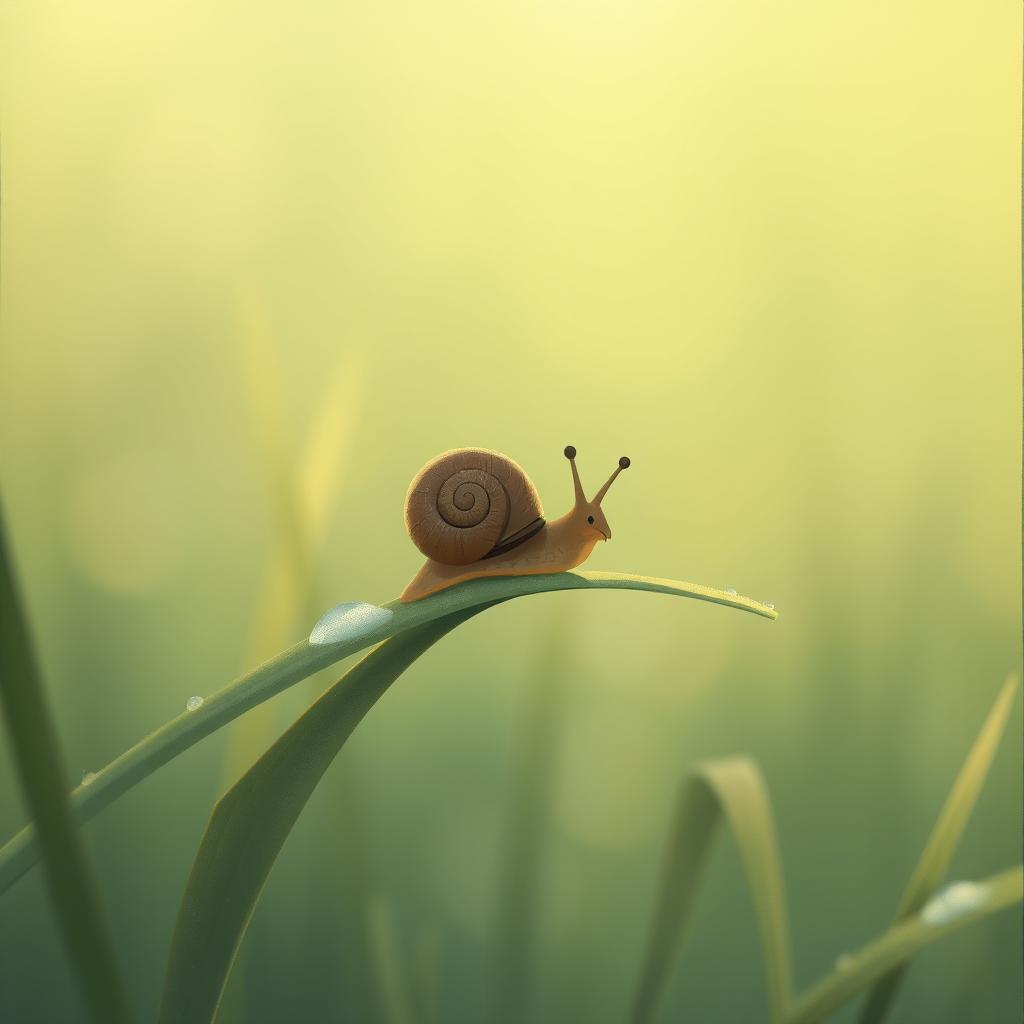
[471, 503]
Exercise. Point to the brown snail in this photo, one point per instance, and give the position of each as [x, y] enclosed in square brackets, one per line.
[474, 513]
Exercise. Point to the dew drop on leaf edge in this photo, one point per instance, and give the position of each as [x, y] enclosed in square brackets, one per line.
[952, 902]
[193, 702]
[348, 621]
[87, 777]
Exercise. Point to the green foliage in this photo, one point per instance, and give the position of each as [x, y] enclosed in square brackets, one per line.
[733, 788]
[895, 947]
[44, 781]
[942, 843]
[305, 659]
[251, 822]
[254, 818]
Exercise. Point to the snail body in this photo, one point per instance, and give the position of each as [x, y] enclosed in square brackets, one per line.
[475, 513]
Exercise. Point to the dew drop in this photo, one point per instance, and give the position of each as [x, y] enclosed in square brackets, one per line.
[193, 702]
[731, 591]
[348, 622]
[954, 901]
[88, 777]
[844, 962]
[768, 604]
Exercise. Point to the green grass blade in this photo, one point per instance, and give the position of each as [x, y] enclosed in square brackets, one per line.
[252, 820]
[21, 852]
[942, 843]
[733, 788]
[902, 941]
[44, 781]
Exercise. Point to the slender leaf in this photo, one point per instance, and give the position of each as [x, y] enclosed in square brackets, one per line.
[252, 820]
[21, 852]
[44, 781]
[942, 843]
[733, 787]
[896, 947]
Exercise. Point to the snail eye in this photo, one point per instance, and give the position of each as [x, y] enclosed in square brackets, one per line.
[590, 519]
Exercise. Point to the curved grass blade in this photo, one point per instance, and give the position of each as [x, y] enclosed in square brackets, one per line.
[304, 659]
[252, 820]
[40, 764]
[945, 837]
[896, 947]
[733, 788]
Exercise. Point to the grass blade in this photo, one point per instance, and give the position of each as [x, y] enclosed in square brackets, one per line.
[44, 782]
[252, 820]
[896, 947]
[21, 852]
[733, 788]
[942, 843]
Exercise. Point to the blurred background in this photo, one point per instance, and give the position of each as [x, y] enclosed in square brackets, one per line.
[261, 262]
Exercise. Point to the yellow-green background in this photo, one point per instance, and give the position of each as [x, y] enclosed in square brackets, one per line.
[769, 251]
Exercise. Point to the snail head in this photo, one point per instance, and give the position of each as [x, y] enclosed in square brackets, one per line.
[588, 514]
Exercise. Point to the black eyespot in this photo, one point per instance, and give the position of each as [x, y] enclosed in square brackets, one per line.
[590, 519]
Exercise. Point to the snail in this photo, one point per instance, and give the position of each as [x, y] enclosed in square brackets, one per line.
[474, 513]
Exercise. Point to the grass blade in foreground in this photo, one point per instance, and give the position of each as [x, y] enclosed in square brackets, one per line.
[252, 820]
[305, 659]
[945, 837]
[898, 945]
[733, 787]
[43, 775]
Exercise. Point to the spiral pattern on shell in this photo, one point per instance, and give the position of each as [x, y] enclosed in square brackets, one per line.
[464, 502]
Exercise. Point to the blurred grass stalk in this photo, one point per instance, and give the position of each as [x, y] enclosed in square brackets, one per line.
[44, 781]
[303, 491]
[734, 788]
[519, 871]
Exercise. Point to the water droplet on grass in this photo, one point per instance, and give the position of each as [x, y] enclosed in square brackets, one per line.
[954, 901]
[768, 604]
[193, 702]
[731, 591]
[348, 621]
[87, 777]
[844, 962]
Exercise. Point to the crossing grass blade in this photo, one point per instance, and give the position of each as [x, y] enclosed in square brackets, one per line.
[21, 852]
[732, 788]
[945, 837]
[902, 941]
[44, 782]
[253, 819]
